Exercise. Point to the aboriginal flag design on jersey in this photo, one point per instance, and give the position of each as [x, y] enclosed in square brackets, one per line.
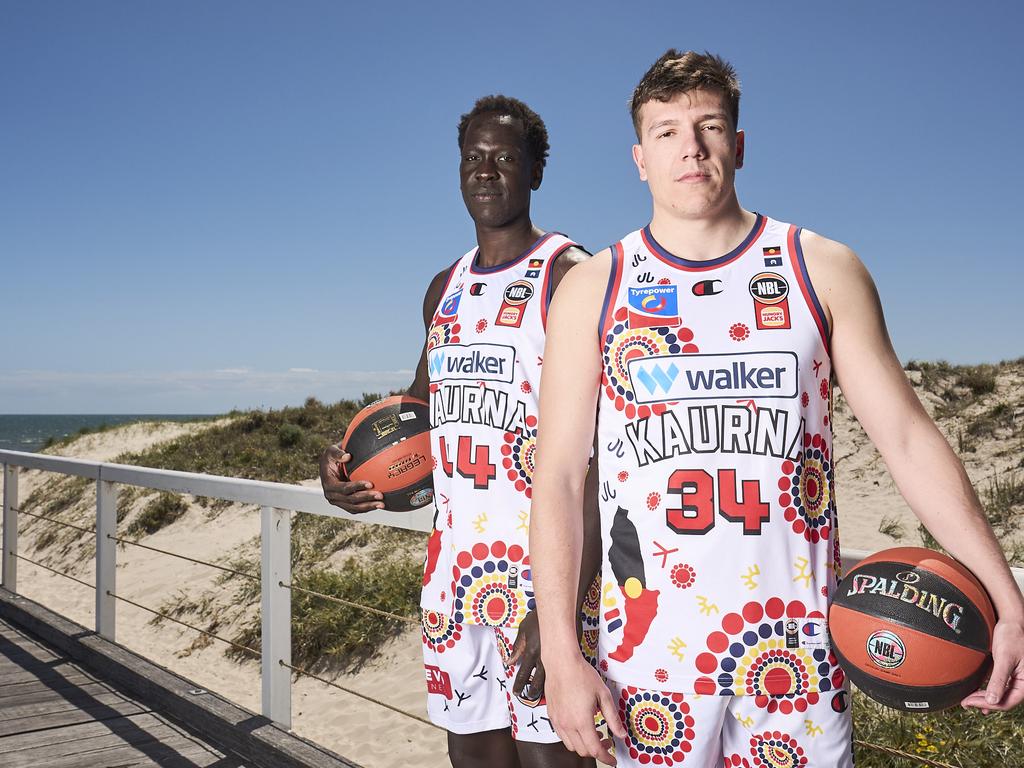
[484, 353]
[714, 430]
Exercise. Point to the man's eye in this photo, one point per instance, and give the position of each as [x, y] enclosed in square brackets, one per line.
[506, 158]
[469, 158]
[712, 127]
[665, 133]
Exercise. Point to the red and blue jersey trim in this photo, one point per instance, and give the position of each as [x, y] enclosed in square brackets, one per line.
[700, 266]
[475, 269]
[614, 279]
[548, 288]
[804, 280]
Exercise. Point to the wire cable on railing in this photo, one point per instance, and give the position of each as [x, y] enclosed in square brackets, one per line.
[899, 753]
[363, 696]
[52, 570]
[119, 540]
[55, 520]
[186, 624]
[349, 603]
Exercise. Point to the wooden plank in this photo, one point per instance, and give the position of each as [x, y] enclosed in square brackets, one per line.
[40, 693]
[239, 735]
[14, 682]
[49, 714]
[132, 739]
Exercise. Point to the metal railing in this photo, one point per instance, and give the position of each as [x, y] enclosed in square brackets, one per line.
[276, 502]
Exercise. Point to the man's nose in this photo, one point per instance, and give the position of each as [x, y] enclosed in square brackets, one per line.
[487, 169]
[693, 145]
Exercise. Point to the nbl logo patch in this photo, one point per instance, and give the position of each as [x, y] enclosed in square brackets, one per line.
[655, 307]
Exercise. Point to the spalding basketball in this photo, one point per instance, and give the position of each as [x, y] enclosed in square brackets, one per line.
[390, 445]
[912, 628]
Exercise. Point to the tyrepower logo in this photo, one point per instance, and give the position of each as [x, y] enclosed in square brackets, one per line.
[438, 681]
[472, 362]
[669, 378]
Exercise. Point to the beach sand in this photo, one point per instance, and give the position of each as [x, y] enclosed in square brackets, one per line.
[361, 731]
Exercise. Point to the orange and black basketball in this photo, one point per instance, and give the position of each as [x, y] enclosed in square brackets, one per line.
[390, 445]
[912, 628]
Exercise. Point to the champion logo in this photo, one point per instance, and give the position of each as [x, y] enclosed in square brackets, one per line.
[656, 377]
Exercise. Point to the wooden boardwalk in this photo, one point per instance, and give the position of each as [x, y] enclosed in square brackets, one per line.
[54, 714]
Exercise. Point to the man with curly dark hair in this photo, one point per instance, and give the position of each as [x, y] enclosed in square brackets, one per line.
[485, 319]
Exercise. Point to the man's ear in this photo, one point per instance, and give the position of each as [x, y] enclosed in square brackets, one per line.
[638, 158]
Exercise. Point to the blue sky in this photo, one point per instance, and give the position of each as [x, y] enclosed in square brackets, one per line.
[239, 204]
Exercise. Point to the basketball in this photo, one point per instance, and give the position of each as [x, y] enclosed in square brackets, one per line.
[390, 445]
[912, 628]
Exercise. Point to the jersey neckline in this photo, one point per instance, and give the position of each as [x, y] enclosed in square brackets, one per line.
[678, 261]
[476, 269]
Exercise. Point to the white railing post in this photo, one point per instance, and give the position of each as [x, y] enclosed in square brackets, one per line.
[9, 558]
[106, 558]
[276, 616]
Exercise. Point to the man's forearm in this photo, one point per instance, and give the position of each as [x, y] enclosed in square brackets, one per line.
[933, 481]
[590, 561]
[556, 542]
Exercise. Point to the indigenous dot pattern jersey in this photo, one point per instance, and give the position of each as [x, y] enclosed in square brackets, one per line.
[717, 504]
[485, 348]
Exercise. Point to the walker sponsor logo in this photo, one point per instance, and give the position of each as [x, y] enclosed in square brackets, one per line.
[471, 362]
[655, 307]
[713, 377]
[438, 681]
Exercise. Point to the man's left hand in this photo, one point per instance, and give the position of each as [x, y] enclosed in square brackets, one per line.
[529, 682]
[1005, 689]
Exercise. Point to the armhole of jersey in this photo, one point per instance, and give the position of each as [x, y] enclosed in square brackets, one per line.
[548, 287]
[807, 289]
[614, 278]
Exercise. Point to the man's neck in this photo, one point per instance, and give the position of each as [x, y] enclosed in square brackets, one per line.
[504, 244]
[704, 238]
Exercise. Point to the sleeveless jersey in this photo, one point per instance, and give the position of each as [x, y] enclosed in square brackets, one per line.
[717, 505]
[484, 355]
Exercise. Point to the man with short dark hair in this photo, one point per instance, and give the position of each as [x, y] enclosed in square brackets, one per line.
[708, 342]
[480, 370]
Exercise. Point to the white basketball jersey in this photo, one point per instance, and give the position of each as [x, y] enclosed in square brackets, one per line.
[484, 353]
[717, 504]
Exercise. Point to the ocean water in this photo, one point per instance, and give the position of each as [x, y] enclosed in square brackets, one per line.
[30, 432]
